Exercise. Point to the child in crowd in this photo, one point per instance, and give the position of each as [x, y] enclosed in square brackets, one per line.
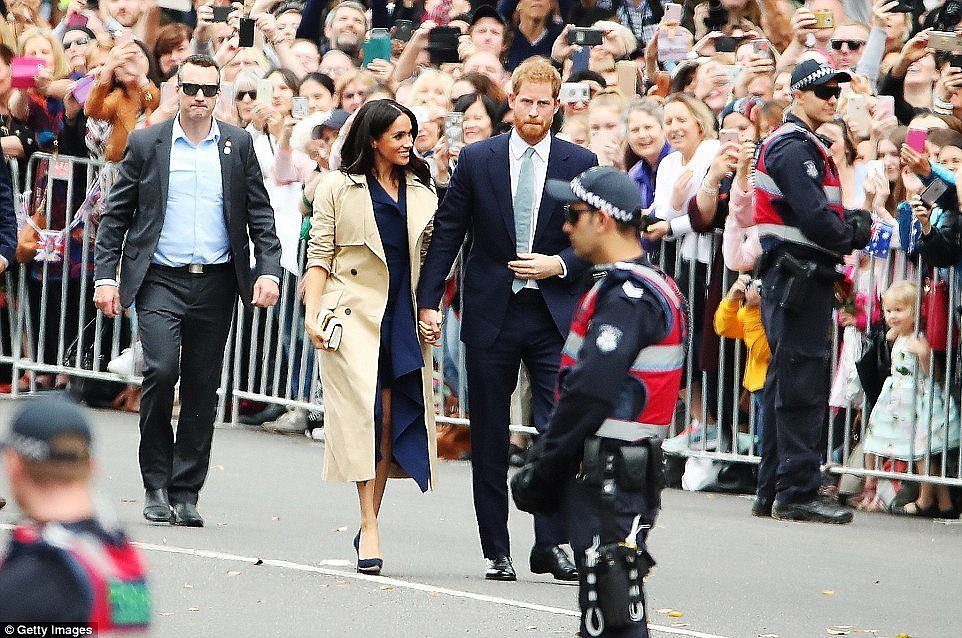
[739, 316]
[910, 420]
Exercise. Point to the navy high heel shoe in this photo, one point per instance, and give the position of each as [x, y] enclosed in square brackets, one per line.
[369, 566]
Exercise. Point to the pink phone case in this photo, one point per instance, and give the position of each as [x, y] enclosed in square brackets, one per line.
[24, 72]
[915, 138]
[81, 90]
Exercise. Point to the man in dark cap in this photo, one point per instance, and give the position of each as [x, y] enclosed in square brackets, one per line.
[64, 565]
[488, 30]
[804, 231]
[619, 379]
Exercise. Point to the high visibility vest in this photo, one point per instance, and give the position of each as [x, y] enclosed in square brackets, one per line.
[645, 406]
[110, 574]
[768, 220]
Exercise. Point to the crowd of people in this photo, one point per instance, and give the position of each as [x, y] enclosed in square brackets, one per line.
[679, 98]
[420, 114]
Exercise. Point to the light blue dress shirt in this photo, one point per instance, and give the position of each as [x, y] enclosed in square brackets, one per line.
[195, 231]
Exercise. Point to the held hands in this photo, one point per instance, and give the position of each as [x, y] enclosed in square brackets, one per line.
[107, 300]
[535, 266]
[266, 292]
[429, 325]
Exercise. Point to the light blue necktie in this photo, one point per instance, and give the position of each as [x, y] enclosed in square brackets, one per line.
[523, 208]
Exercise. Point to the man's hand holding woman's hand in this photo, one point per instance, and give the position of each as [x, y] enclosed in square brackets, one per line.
[429, 325]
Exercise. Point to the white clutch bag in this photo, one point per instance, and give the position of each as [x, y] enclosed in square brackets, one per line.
[331, 329]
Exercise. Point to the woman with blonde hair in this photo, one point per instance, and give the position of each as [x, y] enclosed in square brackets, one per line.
[43, 103]
[606, 132]
[432, 87]
[354, 88]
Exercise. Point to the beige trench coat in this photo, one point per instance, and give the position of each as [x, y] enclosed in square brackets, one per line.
[346, 243]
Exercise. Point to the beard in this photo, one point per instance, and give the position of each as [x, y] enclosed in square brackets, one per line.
[530, 129]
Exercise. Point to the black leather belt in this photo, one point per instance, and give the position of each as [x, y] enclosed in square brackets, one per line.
[195, 269]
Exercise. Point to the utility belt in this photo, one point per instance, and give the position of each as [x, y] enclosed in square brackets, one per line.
[615, 569]
[799, 273]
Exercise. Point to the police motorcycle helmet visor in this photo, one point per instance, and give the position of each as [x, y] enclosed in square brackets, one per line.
[602, 188]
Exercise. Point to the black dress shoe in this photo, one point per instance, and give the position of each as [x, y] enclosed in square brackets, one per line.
[157, 506]
[553, 561]
[762, 507]
[814, 511]
[500, 568]
[186, 514]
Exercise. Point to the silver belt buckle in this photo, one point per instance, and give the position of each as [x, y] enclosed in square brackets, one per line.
[196, 269]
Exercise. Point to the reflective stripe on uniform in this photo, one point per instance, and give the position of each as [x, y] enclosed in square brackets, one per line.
[631, 431]
[792, 234]
[659, 358]
[764, 181]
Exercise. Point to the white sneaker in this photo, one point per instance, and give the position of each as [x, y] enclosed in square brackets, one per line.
[128, 363]
[291, 422]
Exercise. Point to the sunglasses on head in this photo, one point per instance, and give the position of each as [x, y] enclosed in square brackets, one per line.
[572, 215]
[853, 45]
[825, 92]
[190, 89]
[252, 94]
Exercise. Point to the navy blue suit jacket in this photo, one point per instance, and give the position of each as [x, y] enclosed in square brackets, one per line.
[8, 216]
[479, 199]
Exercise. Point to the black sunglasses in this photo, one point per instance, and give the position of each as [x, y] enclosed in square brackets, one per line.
[79, 42]
[572, 215]
[853, 45]
[825, 92]
[239, 96]
[190, 89]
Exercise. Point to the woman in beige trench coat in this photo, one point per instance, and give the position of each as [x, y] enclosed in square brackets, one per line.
[369, 232]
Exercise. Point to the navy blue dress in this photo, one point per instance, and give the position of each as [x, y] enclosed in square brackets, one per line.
[400, 360]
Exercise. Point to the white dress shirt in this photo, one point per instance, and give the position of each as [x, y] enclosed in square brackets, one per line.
[539, 160]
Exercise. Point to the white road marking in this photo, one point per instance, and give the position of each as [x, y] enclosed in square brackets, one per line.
[383, 580]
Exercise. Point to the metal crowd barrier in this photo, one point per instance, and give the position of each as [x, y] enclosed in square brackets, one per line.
[270, 360]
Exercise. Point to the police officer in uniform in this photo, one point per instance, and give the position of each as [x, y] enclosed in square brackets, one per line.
[64, 565]
[804, 232]
[599, 463]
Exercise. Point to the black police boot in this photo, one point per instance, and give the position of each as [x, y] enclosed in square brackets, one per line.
[762, 507]
[814, 511]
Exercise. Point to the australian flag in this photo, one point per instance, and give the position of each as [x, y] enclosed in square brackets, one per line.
[878, 246]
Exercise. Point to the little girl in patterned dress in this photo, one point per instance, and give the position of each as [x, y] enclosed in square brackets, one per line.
[911, 416]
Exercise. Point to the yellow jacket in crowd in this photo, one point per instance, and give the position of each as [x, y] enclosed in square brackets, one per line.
[735, 321]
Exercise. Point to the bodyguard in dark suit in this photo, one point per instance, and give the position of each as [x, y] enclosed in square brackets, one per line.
[180, 231]
[521, 283]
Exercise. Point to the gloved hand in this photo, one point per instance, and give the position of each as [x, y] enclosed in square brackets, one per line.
[531, 493]
[861, 223]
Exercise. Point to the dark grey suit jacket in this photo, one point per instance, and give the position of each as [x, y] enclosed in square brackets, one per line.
[134, 217]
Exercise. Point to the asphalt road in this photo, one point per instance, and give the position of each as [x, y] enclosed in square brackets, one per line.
[721, 573]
